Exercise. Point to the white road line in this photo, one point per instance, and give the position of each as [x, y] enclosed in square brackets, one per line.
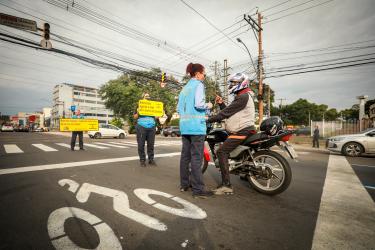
[110, 145]
[65, 145]
[44, 147]
[12, 149]
[370, 187]
[359, 165]
[77, 164]
[93, 146]
[346, 208]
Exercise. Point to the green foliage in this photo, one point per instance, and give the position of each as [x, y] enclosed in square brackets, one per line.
[367, 106]
[117, 122]
[175, 122]
[298, 112]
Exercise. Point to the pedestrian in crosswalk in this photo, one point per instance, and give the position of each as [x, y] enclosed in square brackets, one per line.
[75, 133]
[145, 129]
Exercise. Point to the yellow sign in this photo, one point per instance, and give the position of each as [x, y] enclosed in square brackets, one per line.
[79, 125]
[150, 108]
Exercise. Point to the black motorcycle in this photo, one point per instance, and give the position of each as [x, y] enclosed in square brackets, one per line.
[267, 171]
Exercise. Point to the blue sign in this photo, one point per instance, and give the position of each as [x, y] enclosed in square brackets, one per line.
[73, 108]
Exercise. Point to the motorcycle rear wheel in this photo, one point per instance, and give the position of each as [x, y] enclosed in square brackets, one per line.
[282, 166]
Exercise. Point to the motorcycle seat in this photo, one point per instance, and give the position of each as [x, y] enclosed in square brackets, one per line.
[255, 137]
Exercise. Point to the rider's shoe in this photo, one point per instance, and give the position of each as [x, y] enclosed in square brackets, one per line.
[223, 189]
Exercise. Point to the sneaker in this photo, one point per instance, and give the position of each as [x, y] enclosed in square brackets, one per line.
[152, 162]
[184, 189]
[203, 194]
[223, 189]
[82, 149]
[143, 164]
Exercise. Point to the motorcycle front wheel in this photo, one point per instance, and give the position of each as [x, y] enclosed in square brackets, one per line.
[272, 175]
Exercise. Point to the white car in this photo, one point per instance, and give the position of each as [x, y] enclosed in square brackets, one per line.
[353, 145]
[108, 131]
[6, 128]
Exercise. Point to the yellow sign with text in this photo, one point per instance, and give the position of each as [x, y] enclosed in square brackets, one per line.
[67, 125]
[150, 108]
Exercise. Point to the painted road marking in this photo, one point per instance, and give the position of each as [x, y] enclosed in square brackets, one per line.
[189, 210]
[59, 238]
[12, 149]
[345, 208]
[44, 147]
[94, 146]
[110, 145]
[77, 164]
[370, 187]
[358, 165]
[65, 145]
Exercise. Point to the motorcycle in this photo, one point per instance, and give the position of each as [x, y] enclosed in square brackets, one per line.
[267, 171]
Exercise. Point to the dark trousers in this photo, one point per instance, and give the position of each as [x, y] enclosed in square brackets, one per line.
[143, 135]
[74, 137]
[191, 162]
[226, 148]
[315, 142]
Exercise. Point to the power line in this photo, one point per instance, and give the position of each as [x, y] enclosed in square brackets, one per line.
[295, 6]
[296, 12]
[324, 69]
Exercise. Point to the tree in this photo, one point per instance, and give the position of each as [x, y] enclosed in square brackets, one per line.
[367, 106]
[117, 122]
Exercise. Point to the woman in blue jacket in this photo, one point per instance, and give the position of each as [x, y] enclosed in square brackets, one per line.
[192, 109]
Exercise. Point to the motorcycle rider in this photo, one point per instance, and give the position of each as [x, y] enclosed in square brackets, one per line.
[239, 123]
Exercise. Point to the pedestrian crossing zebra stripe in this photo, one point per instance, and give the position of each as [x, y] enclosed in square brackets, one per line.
[12, 149]
[95, 146]
[44, 147]
[65, 145]
[111, 145]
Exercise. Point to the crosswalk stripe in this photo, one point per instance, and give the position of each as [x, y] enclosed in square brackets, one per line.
[110, 145]
[65, 145]
[94, 146]
[12, 149]
[44, 147]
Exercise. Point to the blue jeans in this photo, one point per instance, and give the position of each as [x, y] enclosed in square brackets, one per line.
[192, 154]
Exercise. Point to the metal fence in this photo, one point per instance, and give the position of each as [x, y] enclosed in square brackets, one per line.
[333, 128]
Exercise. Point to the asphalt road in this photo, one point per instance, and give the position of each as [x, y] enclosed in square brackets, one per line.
[52, 197]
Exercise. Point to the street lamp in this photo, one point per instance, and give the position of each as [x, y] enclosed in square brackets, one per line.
[251, 58]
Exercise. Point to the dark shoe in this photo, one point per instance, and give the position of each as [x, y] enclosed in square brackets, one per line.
[203, 194]
[152, 162]
[184, 189]
[82, 149]
[72, 149]
[143, 164]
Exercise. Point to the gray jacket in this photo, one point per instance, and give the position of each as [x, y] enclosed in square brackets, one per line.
[240, 114]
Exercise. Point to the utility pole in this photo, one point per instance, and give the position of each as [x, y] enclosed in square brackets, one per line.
[260, 68]
[258, 27]
[225, 81]
[269, 100]
[281, 102]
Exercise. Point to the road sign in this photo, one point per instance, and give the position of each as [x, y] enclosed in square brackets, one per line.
[67, 125]
[150, 108]
[46, 44]
[17, 22]
[73, 108]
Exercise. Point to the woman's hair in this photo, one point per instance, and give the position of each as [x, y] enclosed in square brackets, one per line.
[193, 68]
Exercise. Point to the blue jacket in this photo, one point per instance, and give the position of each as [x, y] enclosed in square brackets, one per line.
[192, 108]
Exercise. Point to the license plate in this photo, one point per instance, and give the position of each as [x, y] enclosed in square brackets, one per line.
[293, 154]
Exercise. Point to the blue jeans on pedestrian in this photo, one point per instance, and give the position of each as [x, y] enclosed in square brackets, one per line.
[191, 162]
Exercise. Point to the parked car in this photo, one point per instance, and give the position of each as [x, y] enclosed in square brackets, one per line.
[7, 128]
[303, 131]
[354, 144]
[108, 131]
[172, 131]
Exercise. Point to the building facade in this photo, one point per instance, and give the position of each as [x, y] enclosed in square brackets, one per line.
[85, 99]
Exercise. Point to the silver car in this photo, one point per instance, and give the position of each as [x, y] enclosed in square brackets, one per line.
[353, 145]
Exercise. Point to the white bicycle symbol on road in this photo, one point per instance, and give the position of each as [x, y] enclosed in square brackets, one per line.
[107, 238]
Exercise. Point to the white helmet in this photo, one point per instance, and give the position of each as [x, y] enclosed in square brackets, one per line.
[237, 82]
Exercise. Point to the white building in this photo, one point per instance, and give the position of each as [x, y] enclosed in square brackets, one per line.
[86, 99]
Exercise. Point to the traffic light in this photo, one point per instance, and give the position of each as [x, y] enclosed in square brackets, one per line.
[46, 33]
[163, 77]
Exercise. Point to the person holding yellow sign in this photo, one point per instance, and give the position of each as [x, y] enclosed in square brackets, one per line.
[145, 129]
[75, 133]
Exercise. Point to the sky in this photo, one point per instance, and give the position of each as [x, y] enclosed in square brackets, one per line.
[169, 34]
